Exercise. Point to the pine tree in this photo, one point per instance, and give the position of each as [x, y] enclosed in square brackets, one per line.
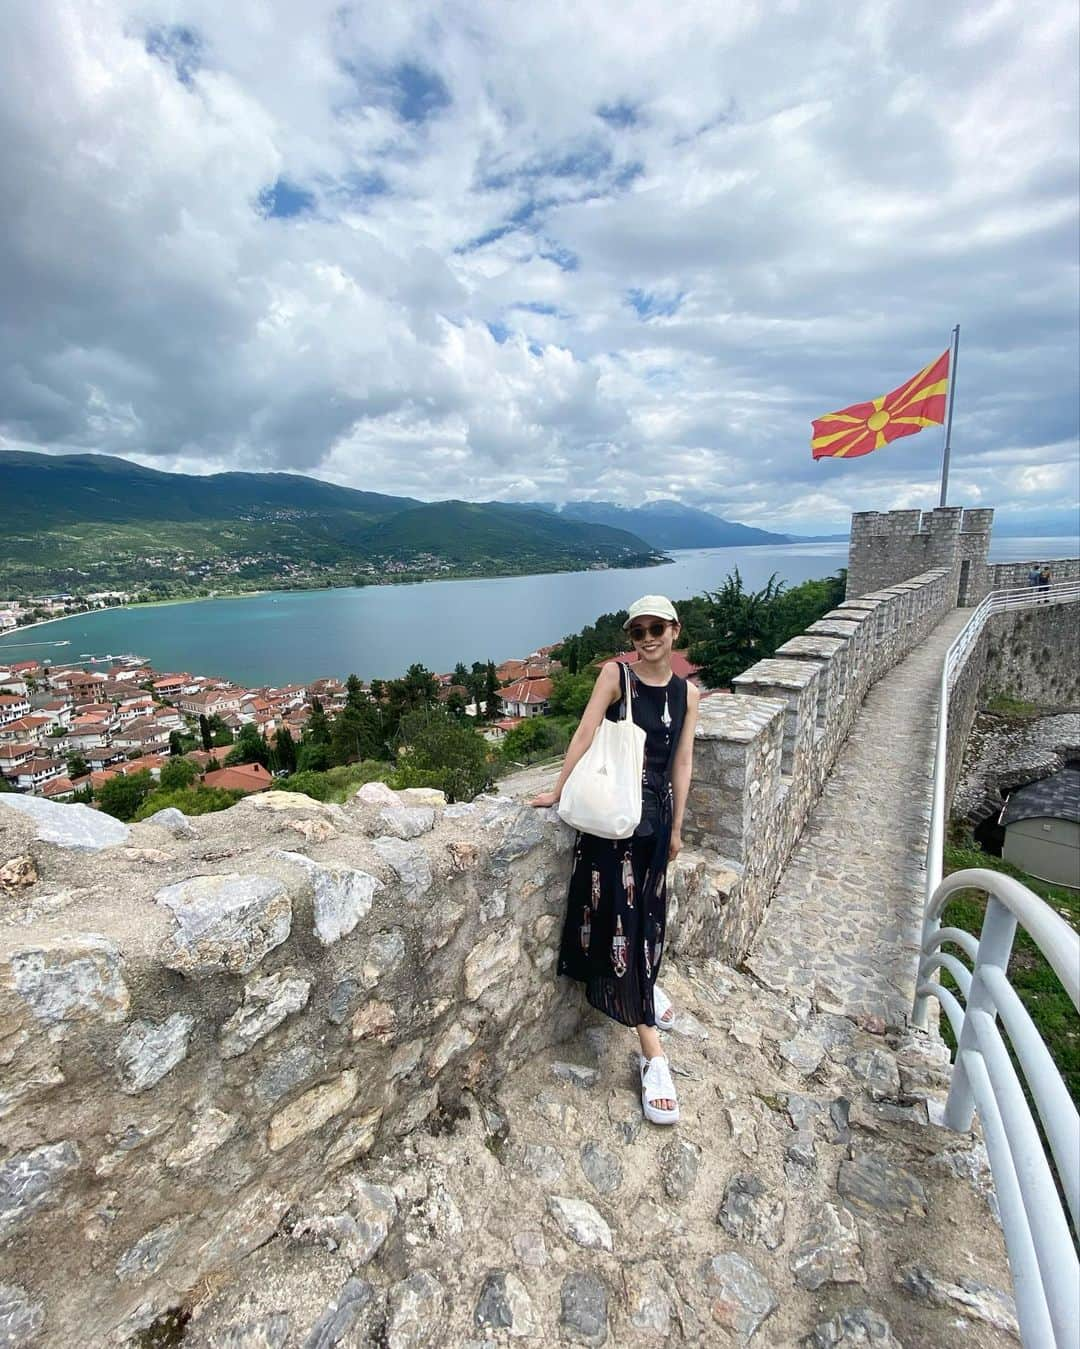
[317, 730]
[206, 733]
[493, 710]
[285, 750]
[354, 692]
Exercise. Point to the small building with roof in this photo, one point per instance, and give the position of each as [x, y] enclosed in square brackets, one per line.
[1042, 828]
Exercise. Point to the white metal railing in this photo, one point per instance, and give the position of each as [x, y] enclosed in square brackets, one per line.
[1042, 1257]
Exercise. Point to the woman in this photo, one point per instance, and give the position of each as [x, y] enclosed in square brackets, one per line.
[613, 936]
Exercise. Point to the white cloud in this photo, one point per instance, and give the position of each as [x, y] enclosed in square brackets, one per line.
[608, 250]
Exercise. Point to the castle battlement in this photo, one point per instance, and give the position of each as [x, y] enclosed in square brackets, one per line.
[888, 547]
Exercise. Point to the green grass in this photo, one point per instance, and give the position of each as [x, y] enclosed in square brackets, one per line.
[1005, 705]
[336, 785]
[1038, 986]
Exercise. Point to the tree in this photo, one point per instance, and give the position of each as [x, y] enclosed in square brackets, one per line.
[417, 689]
[536, 738]
[177, 774]
[493, 707]
[123, 795]
[354, 692]
[460, 675]
[250, 747]
[570, 655]
[285, 750]
[77, 767]
[206, 733]
[176, 744]
[477, 685]
[741, 628]
[434, 751]
[356, 733]
[312, 758]
[570, 693]
[317, 729]
[221, 733]
[455, 705]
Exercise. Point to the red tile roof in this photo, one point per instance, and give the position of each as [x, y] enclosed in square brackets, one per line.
[527, 691]
[246, 777]
[686, 669]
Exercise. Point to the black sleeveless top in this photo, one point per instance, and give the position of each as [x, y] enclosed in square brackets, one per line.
[660, 712]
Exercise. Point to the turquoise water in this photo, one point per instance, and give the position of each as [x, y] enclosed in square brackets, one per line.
[377, 631]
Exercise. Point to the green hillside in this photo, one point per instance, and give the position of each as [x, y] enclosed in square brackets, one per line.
[84, 523]
[463, 530]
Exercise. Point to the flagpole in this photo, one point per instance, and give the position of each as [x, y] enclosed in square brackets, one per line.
[955, 344]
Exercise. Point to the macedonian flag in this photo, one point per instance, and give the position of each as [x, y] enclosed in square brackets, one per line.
[867, 426]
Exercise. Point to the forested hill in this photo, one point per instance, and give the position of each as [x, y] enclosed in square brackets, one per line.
[90, 522]
[667, 524]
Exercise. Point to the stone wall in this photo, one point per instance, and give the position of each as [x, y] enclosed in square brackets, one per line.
[200, 1019]
[888, 548]
[964, 699]
[763, 753]
[1014, 575]
[1033, 654]
[1026, 653]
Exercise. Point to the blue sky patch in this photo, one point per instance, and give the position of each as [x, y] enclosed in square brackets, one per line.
[283, 200]
[178, 47]
[563, 258]
[650, 305]
[418, 94]
[621, 114]
[499, 331]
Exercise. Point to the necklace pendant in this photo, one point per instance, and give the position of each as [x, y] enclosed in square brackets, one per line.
[666, 715]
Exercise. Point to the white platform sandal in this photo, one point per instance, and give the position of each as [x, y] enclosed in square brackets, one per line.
[663, 1008]
[656, 1085]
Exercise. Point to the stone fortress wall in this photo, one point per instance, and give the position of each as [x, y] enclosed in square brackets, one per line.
[201, 1019]
[890, 547]
[1014, 575]
[1030, 653]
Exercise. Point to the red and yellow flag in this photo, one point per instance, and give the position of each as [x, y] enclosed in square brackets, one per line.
[867, 426]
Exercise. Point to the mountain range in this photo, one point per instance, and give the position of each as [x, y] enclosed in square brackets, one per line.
[89, 521]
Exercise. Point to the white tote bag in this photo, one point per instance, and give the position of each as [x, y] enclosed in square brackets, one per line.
[602, 795]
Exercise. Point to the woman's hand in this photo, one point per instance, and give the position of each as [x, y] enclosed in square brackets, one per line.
[545, 799]
[675, 846]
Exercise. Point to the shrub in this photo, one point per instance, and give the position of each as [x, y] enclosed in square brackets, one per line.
[336, 784]
[191, 800]
[177, 774]
[123, 796]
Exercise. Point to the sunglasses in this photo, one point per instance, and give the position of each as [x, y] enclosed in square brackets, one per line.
[638, 634]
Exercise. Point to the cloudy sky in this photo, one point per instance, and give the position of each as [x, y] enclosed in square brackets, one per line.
[522, 251]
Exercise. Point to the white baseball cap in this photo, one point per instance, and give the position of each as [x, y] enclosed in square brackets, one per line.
[658, 605]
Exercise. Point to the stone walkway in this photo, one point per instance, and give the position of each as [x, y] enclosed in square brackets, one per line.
[844, 925]
[809, 1198]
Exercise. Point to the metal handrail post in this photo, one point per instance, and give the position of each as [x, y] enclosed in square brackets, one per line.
[995, 947]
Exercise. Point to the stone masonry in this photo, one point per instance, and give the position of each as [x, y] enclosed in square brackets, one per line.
[252, 1068]
[888, 548]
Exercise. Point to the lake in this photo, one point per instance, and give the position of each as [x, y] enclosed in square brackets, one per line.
[377, 631]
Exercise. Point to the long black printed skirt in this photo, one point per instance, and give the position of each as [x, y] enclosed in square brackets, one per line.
[616, 916]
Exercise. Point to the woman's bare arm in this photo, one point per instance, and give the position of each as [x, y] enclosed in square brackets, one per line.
[682, 768]
[606, 691]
